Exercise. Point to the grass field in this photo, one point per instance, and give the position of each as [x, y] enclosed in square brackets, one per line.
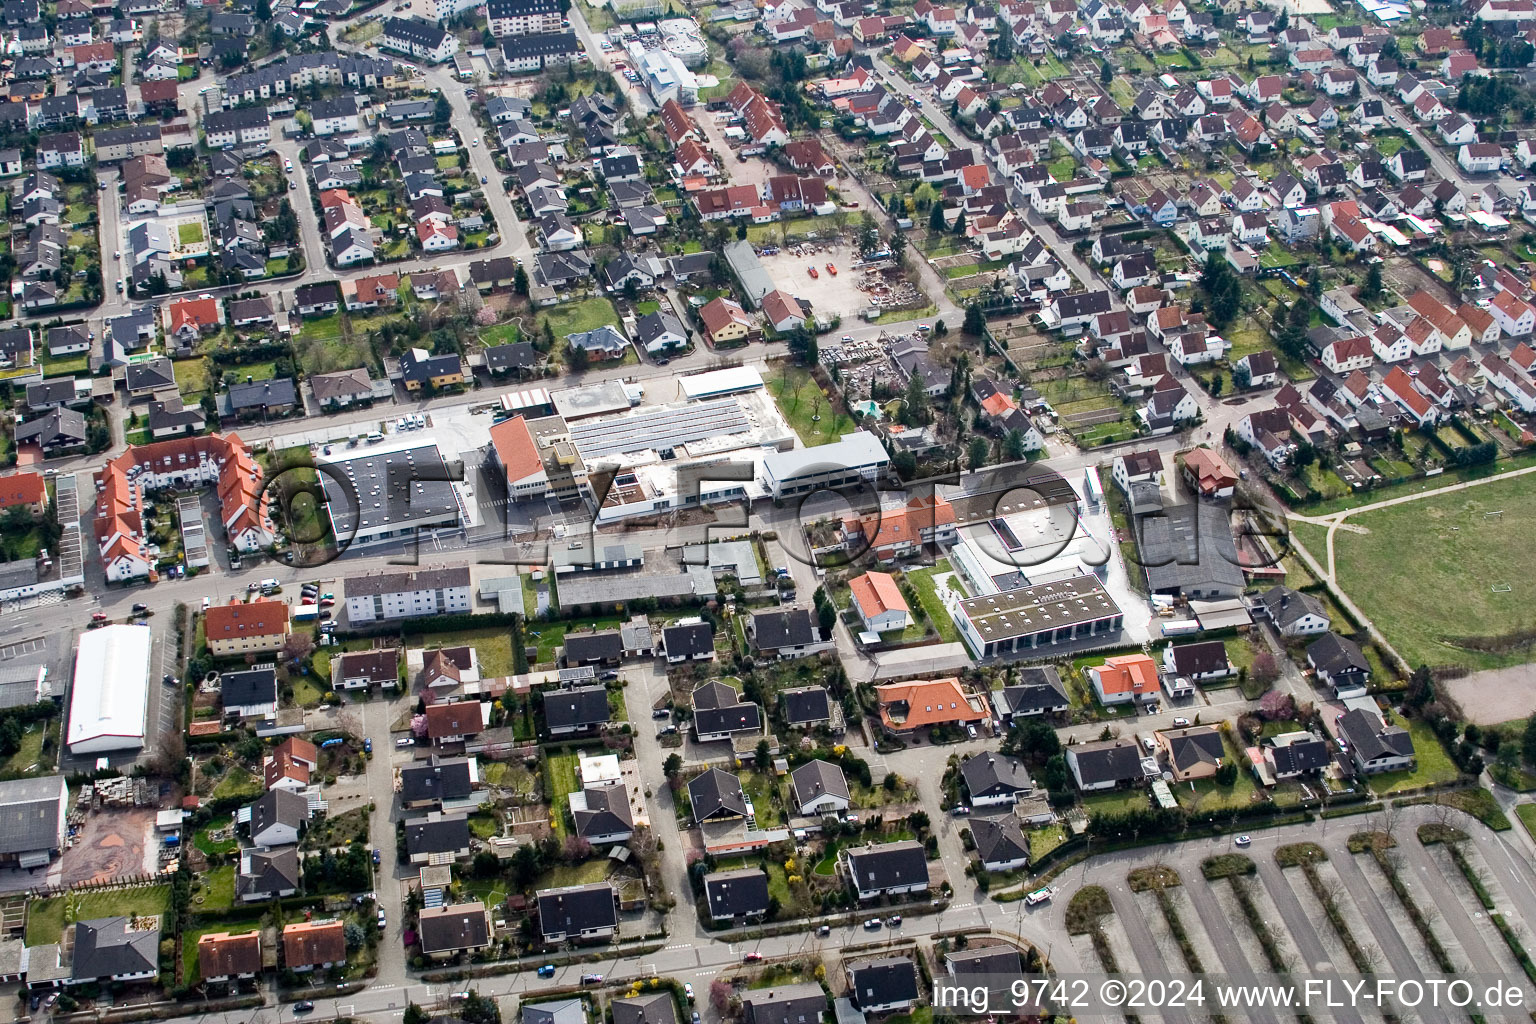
[189, 234]
[1434, 573]
[575, 317]
[1527, 816]
[1435, 765]
[492, 646]
[801, 401]
[46, 918]
[928, 597]
[560, 782]
[30, 754]
[192, 377]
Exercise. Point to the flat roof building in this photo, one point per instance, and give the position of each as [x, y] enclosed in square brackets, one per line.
[394, 493]
[856, 458]
[1039, 616]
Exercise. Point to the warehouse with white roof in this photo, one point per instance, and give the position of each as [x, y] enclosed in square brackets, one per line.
[109, 701]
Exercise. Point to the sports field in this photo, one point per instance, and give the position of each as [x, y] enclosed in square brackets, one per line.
[1449, 580]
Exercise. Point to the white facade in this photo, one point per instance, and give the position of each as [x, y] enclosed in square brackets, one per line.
[411, 595]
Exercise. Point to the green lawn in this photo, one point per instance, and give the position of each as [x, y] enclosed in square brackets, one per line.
[217, 888]
[1445, 577]
[1525, 812]
[237, 782]
[323, 326]
[1117, 801]
[1207, 796]
[46, 918]
[29, 755]
[933, 607]
[210, 846]
[63, 366]
[576, 317]
[1435, 764]
[189, 234]
[586, 873]
[501, 334]
[759, 788]
[560, 782]
[493, 647]
[805, 407]
[192, 376]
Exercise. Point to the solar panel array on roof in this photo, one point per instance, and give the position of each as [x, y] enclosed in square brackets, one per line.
[659, 428]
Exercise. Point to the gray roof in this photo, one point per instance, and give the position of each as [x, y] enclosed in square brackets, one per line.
[1196, 659]
[816, 779]
[606, 645]
[1333, 654]
[577, 908]
[444, 833]
[789, 627]
[563, 1011]
[655, 1008]
[252, 686]
[437, 778]
[716, 793]
[1370, 738]
[735, 894]
[688, 640]
[607, 812]
[807, 705]
[1188, 548]
[879, 982]
[1038, 689]
[58, 427]
[888, 866]
[1199, 744]
[1000, 959]
[152, 373]
[1306, 755]
[988, 774]
[278, 807]
[270, 872]
[29, 814]
[785, 1004]
[444, 929]
[1285, 606]
[576, 707]
[261, 394]
[379, 583]
[1106, 761]
[105, 948]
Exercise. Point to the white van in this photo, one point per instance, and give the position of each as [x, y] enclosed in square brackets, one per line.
[374, 437]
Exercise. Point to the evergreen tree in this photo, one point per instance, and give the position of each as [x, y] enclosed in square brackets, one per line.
[1106, 74]
[976, 453]
[960, 223]
[1371, 289]
[936, 217]
[975, 321]
[1013, 446]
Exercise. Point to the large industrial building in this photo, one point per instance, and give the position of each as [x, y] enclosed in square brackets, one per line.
[393, 494]
[1038, 616]
[110, 698]
[857, 458]
[34, 816]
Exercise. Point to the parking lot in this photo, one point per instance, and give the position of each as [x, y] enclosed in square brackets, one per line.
[829, 294]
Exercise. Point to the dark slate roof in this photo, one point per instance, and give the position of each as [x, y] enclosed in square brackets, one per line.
[511, 357]
[453, 928]
[272, 872]
[253, 686]
[1190, 547]
[736, 893]
[791, 627]
[877, 982]
[576, 707]
[1000, 959]
[607, 812]
[785, 1004]
[1200, 744]
[688, 640]
[716, 793]
[104, 948]
[605, 646]
[445, 834]
[805, 706]
[816, 779]
[1194, 659]
[261, 394]
[654, 1008]
[989, 774]
[887, 866]
[1333, 654]
[1037, 689]
[1370, 738]
[1107, 760]
[1302, 756]
[278, 807]
[438, 778]
[1286, 606]
[577, 908]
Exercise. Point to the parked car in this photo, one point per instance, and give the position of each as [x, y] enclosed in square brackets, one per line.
[1243, 840]
[368, 746]
[405, 741]
[303, 1006]
[1180, 722]
[376, 858]
[591, 979]
[140, 608]
[872, 925]
[752, 958]
[662, 713]
[688, 991]
[547, 971]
